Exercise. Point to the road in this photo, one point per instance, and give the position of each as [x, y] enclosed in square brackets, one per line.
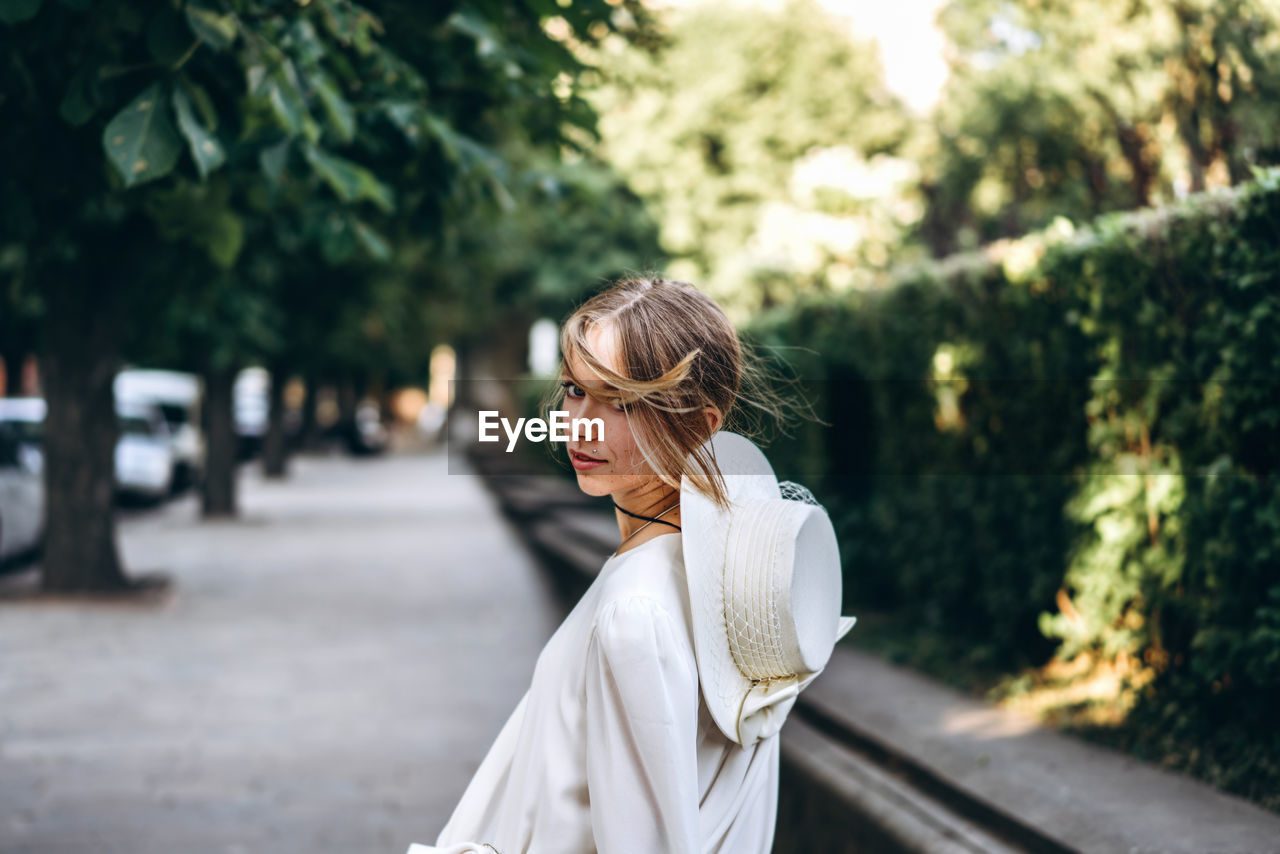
[325, 676]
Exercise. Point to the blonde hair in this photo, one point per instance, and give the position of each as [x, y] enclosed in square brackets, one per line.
[680, 354]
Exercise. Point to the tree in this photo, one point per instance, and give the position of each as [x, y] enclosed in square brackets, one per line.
[1077, 108]
[724, 130]
[149, 144]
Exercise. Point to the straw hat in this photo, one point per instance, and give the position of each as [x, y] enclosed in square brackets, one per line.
[764, 588]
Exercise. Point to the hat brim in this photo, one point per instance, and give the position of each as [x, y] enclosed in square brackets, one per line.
[747, 476]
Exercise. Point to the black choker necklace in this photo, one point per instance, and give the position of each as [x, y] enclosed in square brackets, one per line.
[650, 518]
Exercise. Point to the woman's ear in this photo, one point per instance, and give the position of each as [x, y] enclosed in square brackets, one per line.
[713, 418]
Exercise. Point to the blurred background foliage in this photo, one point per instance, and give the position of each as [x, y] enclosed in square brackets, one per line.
[764, 145]
[1038, 309]
[1076, 108]
[1065, 469]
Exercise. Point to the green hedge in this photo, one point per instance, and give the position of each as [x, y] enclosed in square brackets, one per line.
[1069, 443]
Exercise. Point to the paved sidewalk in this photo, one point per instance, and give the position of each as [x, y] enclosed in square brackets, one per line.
[325, 677]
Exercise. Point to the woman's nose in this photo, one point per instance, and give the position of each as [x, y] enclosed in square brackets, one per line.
[580, 408]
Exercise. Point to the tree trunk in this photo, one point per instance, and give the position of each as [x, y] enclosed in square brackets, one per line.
[463, 372]
[376, 383]
[1095, 169]
[308, 431]
[943, 218]
[80, 361]
[13, 365]
[460, 427]
[348, 397]
[507, 361]
[1197, 156]
[1133, 145]
[220, 437]
[274, 453]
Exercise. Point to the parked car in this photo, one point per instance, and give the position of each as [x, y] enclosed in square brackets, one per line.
[362, 434]
[178, 396]
[144, 452]
[371, 435]
[25, 419]
[21, 501]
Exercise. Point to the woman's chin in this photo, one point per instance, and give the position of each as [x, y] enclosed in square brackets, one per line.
[593, 484]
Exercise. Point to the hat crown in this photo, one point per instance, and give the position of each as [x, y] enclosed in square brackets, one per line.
[764, 578]
[781, 598]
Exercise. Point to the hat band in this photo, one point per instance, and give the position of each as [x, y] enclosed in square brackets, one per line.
[755, 557]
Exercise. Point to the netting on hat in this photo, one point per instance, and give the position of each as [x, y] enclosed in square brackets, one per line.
[753, 589]
[797, 492]
[752, 592]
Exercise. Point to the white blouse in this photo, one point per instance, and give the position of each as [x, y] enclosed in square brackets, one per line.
[611, 749]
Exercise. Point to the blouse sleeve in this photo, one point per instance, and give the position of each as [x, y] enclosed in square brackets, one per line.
[641, 720]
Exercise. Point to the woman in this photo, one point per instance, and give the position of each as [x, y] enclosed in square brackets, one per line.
[643, 729]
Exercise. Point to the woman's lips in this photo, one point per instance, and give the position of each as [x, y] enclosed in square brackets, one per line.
[582, 462]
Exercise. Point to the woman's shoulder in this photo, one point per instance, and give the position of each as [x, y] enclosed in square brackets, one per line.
[646, 580]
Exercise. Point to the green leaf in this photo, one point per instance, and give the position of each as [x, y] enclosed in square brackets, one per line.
[307, 47]
[339, 244]
[273, 160]
[16, 11]
[341, 118]
[349, 181]
[373, 242]
[477, 28]
[280, 88]
[141, 140]
[217, 31]
[205, 149]
[352, 25]
[224, 238]
[198, 213]
[286, 103]
[82, 99]
[408, 118]
[203, 103]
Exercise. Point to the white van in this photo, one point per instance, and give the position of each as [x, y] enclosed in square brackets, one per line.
[178, 396]
[21, 500]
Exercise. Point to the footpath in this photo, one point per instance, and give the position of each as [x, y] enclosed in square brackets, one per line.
[880, 758]
[324, 678]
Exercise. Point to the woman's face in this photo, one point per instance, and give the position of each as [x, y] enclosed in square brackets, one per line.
[622, 467]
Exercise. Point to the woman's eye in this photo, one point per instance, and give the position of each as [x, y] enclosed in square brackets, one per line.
[573, 391]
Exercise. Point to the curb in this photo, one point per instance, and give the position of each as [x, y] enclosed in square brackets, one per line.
[875, 808]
